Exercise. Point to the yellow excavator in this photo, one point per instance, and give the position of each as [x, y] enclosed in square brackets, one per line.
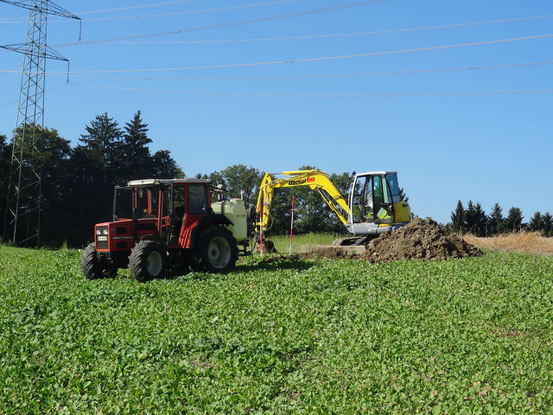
[373, 206]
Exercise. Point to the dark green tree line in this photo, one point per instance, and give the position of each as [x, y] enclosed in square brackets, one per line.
[542, 223]
[77, 183]
[473, 219]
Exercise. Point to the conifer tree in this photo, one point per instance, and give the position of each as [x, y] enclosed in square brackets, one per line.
[479, 221]
[136, 157]
[102, 140]
[547, 224]
[496, 221]
[458, 218]
[513, 223]
[536, 223]
[471, 216]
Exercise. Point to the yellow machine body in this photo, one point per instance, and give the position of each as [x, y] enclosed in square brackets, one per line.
[374, 205]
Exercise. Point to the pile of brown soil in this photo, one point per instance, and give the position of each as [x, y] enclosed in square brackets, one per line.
[420, 239]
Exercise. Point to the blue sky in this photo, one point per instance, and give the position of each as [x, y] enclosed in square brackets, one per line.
[446, 142]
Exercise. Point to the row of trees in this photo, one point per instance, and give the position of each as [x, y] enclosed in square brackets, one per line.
[541, 223]
[77, 183]
[473, 219]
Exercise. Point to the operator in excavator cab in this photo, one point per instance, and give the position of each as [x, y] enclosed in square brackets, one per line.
[369, 201]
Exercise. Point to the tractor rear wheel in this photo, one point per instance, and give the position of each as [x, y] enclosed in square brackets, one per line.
[148, 260]
[217, 250]
[93, 268]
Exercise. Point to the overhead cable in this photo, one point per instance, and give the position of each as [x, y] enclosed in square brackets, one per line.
[320, 59]
[118, 9]
[139, 6]
[310, 76]
[314, 76]
[336, 35]
[179, 13]
[282, 95]
[228, 24]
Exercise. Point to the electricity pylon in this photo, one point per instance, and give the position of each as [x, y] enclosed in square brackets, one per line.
[23, 204]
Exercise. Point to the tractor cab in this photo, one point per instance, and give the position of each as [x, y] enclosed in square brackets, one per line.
[376, 204]
[162, 206]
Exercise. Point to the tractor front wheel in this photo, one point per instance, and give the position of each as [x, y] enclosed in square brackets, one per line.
[217, 250]
[93, 268]
[148, 260]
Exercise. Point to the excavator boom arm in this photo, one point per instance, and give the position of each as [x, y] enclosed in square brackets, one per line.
[314, 179]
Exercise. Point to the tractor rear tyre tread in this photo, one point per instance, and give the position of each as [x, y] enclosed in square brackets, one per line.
[148, 260]
[217, 251]
[93, 268]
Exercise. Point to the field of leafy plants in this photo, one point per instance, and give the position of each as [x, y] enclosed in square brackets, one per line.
[278, 336]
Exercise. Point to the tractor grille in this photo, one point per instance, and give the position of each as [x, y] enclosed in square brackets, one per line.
[102, 237]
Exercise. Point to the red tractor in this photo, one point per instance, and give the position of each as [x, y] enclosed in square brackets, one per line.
[160, 224]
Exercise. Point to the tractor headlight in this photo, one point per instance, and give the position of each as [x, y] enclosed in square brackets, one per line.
[98, 231]
[105, 231]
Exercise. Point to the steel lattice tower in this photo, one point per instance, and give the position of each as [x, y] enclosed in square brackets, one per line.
[23, 205]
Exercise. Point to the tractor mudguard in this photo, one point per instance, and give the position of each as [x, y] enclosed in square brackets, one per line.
[156, 238]
[205, 222]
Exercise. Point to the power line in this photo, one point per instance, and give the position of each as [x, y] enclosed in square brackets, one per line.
[320, 59]
[187, 12]
[312, 76]
[336, 35]
[228, 24]
[370, 95]
[119, 9]
[140, 6]
[180, 13]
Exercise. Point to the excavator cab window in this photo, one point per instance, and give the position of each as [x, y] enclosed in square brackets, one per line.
[383, 206]
[373, 199]
[394, 187]
[363, 199]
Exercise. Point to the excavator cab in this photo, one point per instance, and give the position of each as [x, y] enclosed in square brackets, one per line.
[375, 204]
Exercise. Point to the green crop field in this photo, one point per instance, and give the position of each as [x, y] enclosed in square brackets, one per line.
[282, 336]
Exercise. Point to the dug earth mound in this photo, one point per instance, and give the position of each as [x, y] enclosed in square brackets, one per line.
[421, 239]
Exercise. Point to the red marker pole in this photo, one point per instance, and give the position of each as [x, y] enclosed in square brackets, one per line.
[261, 227]
[292, 225]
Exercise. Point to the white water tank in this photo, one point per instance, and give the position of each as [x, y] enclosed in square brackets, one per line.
[235, 211]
